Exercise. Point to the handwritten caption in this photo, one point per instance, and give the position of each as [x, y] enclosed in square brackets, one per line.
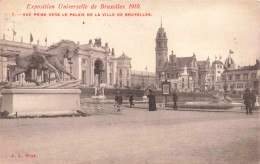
[23, 156]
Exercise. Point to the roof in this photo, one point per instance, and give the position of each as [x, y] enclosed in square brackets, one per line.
[142, 73]
[85, 46]
[123, 56]
[245, 68]
[185, 61]
[217, 62]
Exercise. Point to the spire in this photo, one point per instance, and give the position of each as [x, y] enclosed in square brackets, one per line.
[161, 22]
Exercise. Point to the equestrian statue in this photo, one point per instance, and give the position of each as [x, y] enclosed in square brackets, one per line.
[50, 60]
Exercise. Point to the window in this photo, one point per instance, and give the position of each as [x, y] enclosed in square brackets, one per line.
[230, 77]
[110, 78]
[120, 72]
[245, 76]
[253, 76]
[127, 73]
[160, 62]
[240, 86]
[237, 77]
[120, 83]
[223, 77]
[219, 71]
[127, 83]
[83, 61]
[83, 77]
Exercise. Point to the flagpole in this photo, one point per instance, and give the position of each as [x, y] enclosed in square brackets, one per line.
[13, 34]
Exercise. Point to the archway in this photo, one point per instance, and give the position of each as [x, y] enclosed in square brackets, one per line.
[99, 72]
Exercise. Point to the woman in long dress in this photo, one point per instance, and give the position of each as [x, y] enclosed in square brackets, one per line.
[152, 102]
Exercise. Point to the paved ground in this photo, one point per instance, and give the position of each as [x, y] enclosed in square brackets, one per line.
[133, 136]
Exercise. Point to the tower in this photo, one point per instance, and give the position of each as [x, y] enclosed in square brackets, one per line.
[161, 50]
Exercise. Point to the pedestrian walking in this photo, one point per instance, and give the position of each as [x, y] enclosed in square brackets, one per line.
[175, 99]
[131, 99]
[248, 101]
[152, 102]
[253, 96]
[118, 101]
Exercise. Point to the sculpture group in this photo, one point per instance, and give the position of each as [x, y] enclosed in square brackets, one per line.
[47, 61]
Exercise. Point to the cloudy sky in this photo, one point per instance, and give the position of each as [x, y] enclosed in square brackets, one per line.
[205, 27]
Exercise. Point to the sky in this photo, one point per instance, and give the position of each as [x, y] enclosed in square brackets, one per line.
[205, 27]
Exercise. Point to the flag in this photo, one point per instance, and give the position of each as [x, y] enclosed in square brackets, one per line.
[14, 32]
[46, 39]
[31, 37]
[231, 52]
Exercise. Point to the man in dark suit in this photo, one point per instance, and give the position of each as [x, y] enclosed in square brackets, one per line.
[248, 101]
[175, 99]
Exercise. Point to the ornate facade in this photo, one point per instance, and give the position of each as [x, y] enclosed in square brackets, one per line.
[174, 67]
[94, 64]
[241, 78]
[186, 73]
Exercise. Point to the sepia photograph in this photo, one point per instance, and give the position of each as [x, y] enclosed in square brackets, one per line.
[129, 81]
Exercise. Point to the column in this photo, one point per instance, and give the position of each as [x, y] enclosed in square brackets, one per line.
[3, 69]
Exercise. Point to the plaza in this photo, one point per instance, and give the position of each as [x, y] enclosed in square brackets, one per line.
[134, 135]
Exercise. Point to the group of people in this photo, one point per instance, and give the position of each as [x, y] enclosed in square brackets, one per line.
[249, 100]
[119, 100]
[150, 96]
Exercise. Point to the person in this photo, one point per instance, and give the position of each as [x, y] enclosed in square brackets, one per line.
[175, 99]
[131, 98]
[152, 102]
[253, 95]
[118, 101]
[248, 101]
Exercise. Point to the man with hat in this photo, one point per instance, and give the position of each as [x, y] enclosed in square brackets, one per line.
[175, 99]
[131, 98]
[248, 101]
[118, 100]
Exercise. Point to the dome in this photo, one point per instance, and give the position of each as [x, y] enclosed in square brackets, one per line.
[217, 62]
[229, 63]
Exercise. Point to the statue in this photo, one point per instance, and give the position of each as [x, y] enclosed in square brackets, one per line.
[50, 60]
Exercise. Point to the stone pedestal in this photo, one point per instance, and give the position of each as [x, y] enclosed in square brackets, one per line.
[100, 97]
[145, 99]
[39, 102]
